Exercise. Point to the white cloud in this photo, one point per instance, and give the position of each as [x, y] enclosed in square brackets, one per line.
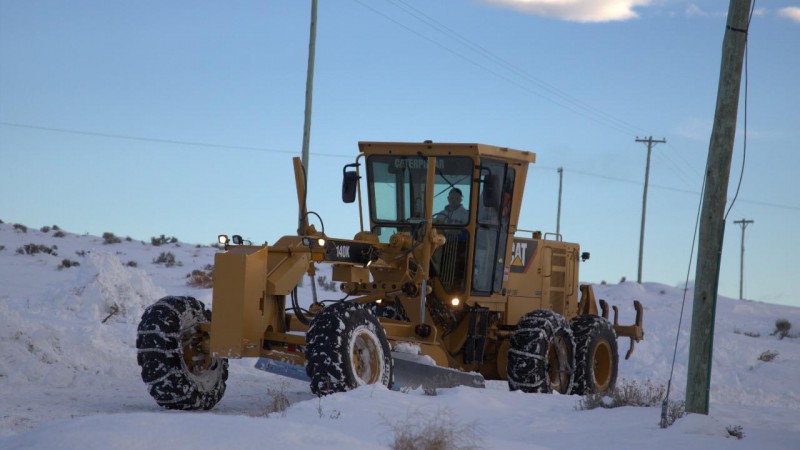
[792, 12]
[576, 10]
[694, 10]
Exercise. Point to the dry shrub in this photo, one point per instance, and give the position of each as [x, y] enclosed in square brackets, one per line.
[279, 400]
[767, 356]
[20, 227]
[736, 431]
[782, 327]
[59, 234]
[109, 238]
[45, 229]
[131, 264]
[32, 249]
[627, 393]
[67, 263]
[168, 259]
[325, 284]
[162, 240]
[438, 431]
[203, 279]
[633, 393]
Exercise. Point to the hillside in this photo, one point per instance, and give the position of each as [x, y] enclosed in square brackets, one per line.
[69, 378]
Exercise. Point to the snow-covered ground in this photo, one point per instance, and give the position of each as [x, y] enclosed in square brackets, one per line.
[69, 378]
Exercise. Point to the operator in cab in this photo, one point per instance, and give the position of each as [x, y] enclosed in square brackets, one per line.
[454, 213]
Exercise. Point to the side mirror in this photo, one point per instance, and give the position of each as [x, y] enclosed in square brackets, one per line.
[349, 184]
[491, 191]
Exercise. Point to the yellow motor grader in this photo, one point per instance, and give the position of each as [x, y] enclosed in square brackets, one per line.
[444, 288]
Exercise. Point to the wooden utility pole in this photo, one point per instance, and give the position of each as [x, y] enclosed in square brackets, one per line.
[744, 224]
[712, 221]
[307, 121]
[650, 142]
[312, 43]
[558, 216]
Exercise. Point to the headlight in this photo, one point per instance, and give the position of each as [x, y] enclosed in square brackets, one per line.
[223, 239]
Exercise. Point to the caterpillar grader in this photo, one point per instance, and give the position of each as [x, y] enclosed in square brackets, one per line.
[442, 289]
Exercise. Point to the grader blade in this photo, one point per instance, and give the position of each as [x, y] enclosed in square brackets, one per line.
[410, 373]
[282, 368]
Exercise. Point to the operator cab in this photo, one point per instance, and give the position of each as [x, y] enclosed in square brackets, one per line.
[472, 204]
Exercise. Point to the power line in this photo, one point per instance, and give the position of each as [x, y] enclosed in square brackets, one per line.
[594, 117]
[333, 155]
[477, 48]
[162, 141]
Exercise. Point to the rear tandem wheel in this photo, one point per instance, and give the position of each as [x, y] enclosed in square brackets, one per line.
[541, 354]
[596, 358]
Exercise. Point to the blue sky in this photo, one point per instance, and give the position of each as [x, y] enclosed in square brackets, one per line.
[181, 118]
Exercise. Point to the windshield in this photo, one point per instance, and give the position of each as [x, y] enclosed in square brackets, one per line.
[397, 189]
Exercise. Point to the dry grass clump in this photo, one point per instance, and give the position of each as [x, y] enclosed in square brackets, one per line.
[437, 431]
[633, 393]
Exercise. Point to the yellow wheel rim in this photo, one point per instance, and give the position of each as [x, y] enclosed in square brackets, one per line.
[601, 365]
[366, 356]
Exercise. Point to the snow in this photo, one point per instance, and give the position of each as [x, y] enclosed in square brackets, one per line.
[69, 380]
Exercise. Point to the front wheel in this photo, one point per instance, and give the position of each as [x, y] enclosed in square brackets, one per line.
[347, 348]
[169, 350]
[596, 360]
[541, 354]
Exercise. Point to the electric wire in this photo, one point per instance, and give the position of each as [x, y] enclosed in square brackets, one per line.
[494, 72]
[162, 141]
[744, 145]
[602, 117]
[477, 48]
[269, 150]
[665, 404]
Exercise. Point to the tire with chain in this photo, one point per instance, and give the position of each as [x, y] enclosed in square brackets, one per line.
[541, 354]
[169, 351]
[347, 348]
[596, 357]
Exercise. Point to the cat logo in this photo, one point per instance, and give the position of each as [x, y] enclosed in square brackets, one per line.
[343, 251]
[522, 253]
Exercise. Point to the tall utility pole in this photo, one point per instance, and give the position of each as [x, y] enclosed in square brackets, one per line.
[309, 83]
[712, 221]
[558, 217]
[744, 224]
[650, 142]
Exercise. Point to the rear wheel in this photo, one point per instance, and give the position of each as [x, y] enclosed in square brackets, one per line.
[596, 359]
[347, 348]
[169, 350]
[541, 354]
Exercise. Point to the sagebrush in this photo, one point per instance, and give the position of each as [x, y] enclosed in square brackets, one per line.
[167, 259]
[163, 240]
[782, 327]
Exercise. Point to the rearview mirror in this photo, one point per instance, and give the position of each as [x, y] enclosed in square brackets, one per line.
[349, 184]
